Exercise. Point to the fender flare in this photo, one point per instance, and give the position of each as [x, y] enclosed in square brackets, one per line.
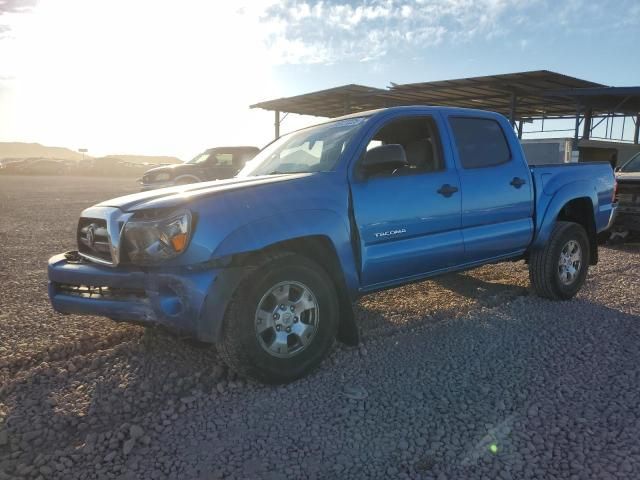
[556, 202]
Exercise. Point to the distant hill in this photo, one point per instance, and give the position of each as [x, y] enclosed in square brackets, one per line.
[35, 150]
[17, 150]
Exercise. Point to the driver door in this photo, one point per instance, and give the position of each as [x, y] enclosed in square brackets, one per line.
[409, 220]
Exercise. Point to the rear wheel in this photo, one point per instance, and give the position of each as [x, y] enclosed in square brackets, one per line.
[281, 322]
[559, 270]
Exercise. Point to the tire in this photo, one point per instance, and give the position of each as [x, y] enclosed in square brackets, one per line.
[552, 280]
[257, 302]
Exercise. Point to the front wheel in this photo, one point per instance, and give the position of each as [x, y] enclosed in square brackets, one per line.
[281, 322]
[559, 270]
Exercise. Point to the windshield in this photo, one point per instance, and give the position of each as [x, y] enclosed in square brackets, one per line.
[632, 165]
[200, 158]
[314, 149]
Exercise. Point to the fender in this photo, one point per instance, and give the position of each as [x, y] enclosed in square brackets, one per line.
[264, 232]
[551, 202]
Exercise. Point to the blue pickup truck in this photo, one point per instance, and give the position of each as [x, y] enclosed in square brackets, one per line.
[267, 265]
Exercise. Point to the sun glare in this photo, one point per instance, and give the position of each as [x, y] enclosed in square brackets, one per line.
[144, 76]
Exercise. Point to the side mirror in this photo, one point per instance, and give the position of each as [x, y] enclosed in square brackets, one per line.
[385, 158]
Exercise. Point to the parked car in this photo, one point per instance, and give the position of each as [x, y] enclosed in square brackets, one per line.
[267, 265]
[628, 197]
[213, 164]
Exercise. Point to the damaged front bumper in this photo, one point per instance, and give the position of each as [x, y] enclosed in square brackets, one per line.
[190, 299]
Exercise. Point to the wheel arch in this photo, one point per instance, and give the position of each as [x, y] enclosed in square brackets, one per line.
[569, 204]
[185, 176]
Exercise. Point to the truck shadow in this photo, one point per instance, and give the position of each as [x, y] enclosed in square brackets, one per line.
[445, 297]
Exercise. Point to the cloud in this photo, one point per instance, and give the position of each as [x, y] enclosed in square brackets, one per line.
[328, 31]
[12, 7]
[16, 6]
[332, 30]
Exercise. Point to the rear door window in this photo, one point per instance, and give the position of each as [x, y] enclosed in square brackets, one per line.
[480, 142]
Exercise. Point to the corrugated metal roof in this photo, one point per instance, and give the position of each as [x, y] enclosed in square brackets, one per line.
[538, 93]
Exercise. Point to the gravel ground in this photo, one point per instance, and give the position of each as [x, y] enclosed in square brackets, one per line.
[467, 376]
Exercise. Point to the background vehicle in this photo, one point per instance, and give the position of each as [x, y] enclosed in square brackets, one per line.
[628, 197]
[213, 164]
[545, 151]
[267, 265]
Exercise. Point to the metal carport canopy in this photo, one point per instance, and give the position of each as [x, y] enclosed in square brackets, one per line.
[522, 95]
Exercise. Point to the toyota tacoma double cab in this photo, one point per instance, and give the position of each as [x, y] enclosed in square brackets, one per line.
[267, 265]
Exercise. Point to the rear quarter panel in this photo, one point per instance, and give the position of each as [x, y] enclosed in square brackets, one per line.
[559, 184]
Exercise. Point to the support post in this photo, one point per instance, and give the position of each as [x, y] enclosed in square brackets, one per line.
[520, 129]
[346, 105]
[636, 133]
[586, 129]
[575, 152]
[512, 109]
[276, 124]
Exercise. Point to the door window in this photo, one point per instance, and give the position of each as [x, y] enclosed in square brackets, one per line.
[420, 140]
[222, 160]
[480, 142]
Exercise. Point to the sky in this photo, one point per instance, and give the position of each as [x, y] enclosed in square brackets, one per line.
[172, 78]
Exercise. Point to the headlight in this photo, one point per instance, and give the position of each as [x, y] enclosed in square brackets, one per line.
[162, 177]
[151, 239]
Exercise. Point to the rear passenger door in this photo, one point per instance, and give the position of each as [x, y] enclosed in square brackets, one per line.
[497, 196]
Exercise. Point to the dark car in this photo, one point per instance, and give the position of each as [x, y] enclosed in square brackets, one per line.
[213, 164]
[628, 197]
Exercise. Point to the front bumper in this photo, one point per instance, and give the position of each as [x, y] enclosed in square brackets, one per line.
[191, 300]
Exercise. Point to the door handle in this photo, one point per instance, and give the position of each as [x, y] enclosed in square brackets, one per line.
[517, 182]
[447, 190]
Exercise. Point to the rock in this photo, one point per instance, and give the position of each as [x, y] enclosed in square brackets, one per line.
[136, 431]
[354, 392]
[217, 372]
[128, 445]
[46, 471]
[4, 438]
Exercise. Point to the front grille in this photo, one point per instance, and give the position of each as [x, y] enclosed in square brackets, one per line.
[101, 292]
[93, 239]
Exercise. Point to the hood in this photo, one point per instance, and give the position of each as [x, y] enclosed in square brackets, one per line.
[181, 195]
